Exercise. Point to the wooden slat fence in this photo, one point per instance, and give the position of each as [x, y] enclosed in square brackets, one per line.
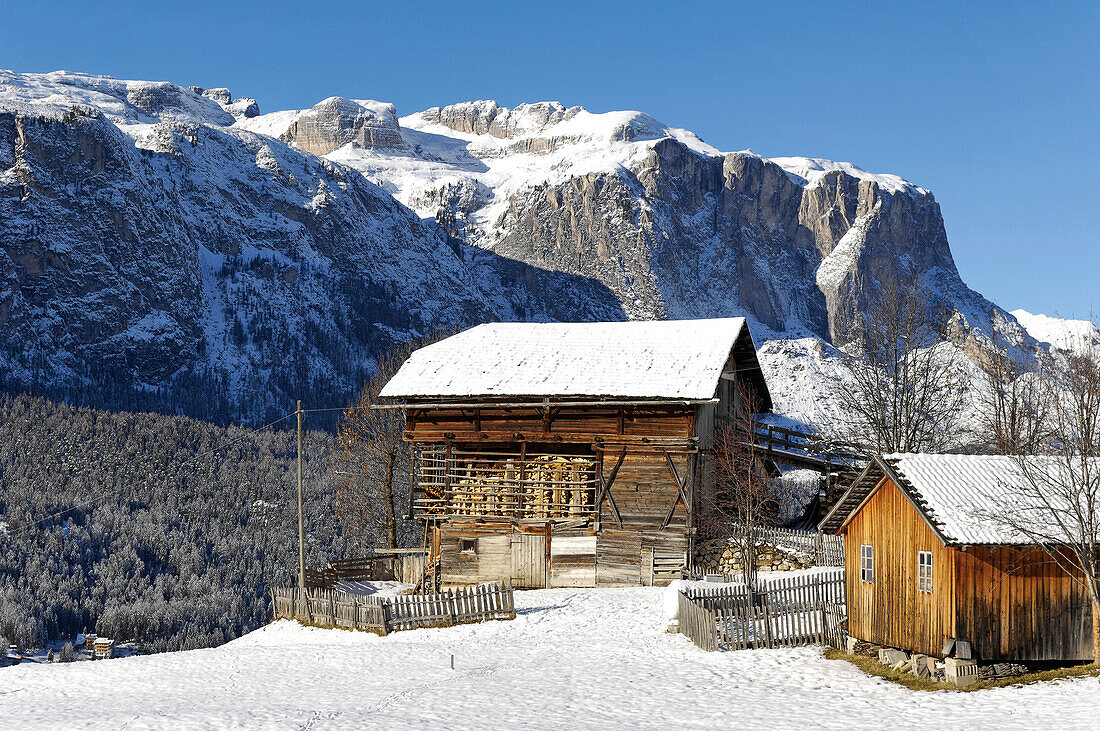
[788, 612]
[382, 615]
[396, 564]
[698, 623]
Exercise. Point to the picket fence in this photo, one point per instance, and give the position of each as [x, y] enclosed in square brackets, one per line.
[382, 615]
[804, 610]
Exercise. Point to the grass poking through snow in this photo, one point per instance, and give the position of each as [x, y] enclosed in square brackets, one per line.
[873, 667]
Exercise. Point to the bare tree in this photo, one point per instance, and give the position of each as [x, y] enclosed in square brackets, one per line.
[742, 496]
[1055, 503]
[372, 460]
[904, 385]
[1013, 405]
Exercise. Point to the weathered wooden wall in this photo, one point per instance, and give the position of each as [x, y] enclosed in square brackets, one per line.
[644, 491]
[573, 558]
[476, 425]
[890, 610]
[643, 550]
[491, 559]
[1017, 604]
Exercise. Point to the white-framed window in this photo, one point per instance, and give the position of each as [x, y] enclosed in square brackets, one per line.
[924, 571]
[867, 563]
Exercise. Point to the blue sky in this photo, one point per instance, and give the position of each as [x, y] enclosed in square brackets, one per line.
[994, 107]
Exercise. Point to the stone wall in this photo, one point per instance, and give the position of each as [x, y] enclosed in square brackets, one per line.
[723, 556]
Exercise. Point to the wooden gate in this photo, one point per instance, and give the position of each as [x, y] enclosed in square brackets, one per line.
[529, 560]
[618, 558]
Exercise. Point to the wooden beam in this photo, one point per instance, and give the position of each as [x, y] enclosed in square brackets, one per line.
[605, 441]
[681, 496]
[605, 488]
[488, 404]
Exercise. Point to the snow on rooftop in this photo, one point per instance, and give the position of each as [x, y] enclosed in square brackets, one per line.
[962, 492]
[670, 359]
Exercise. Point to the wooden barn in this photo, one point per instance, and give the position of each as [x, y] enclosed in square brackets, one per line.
[924, 566]
[562, 454]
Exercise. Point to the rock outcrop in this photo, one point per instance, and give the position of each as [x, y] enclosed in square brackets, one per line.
[488, 117]
[336, 122]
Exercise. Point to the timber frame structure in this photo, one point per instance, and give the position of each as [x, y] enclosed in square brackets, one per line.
[924, 572]
[570, 489]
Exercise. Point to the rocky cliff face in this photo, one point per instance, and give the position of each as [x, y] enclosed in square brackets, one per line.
[154, 256]
[672, 226]
[336, 122]
[170, 248]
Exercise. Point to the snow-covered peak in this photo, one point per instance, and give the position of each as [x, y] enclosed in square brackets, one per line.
[810, 170]
[122, 102]
[546, 120]
[331, 124]
[1071, 335]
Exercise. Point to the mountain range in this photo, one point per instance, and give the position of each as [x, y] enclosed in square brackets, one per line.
[171, 248]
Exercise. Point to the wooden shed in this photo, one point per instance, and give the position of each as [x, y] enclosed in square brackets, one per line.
[925, 564]
[563, 454]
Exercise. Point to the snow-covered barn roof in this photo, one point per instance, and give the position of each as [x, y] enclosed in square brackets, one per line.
[959, 495]
[644, 360]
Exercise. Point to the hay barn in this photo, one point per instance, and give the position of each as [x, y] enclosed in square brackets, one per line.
[561, 454]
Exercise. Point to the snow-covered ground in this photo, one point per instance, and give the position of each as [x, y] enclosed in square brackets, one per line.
[574, 658]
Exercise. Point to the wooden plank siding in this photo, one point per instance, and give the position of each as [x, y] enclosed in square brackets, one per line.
[581, 547]
[573, 559]
[530, 560]
[490, 559]
[1018, 604]
[1011, 604]
[644, 492]
[568, 424]
[890, 610]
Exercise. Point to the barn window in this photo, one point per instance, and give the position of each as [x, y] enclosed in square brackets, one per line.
[867, 563]
[467, 545]
[924, 571]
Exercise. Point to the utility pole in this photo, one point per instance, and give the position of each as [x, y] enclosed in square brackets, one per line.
[301, 520]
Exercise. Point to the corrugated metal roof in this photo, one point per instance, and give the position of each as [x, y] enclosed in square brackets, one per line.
[960, 495]
[662, 359]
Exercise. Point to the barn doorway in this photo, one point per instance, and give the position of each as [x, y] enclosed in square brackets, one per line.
[529, 559]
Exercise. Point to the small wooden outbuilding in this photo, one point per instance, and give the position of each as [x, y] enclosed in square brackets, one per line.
[565, 454]
[925, 564]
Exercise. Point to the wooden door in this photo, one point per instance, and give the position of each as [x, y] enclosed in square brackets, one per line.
[618, 558]
[529, 560]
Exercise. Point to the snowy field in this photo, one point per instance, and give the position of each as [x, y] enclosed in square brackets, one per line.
[574, 658]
